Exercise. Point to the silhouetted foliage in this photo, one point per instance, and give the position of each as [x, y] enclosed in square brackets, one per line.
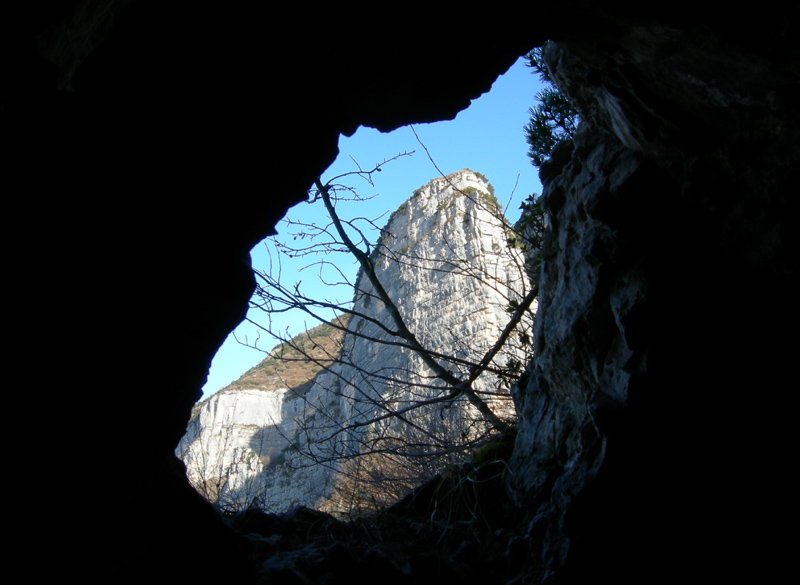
[553, 119]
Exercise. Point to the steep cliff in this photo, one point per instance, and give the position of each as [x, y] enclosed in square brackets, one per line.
[375, 423]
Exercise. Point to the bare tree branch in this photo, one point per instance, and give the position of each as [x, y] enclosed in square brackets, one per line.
[367, 265]
[355, 419]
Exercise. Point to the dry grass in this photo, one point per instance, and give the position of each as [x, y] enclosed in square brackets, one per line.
[296, 363]
[293, 364]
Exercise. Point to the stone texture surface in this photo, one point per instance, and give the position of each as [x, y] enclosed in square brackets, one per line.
[661, 268]
[445, 261]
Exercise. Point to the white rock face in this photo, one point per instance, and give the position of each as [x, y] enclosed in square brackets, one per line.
[445, 262]
[223, 448]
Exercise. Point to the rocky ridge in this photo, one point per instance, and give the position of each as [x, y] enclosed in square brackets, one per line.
[444, 259]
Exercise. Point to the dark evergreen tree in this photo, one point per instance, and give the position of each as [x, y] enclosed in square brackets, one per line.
[552, 120]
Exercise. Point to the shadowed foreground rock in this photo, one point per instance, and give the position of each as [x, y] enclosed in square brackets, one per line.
[460, 526]
[664, 277]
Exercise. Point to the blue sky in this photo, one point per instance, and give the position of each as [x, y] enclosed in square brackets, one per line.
[487, 137]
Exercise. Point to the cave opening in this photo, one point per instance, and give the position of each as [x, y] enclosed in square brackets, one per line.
[487, 137]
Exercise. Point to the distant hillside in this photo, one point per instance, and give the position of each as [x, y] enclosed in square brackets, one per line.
[293, 364]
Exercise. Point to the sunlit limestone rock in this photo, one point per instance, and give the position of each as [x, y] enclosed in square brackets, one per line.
[218, 445]
[445, 261]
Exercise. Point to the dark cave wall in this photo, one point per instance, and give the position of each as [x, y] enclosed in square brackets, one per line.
[190, 131]
[193, 128]
[666, 283]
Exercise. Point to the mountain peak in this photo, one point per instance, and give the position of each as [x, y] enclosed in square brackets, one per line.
[377, 421]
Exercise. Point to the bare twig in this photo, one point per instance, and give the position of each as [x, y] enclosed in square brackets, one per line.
[404, 332]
